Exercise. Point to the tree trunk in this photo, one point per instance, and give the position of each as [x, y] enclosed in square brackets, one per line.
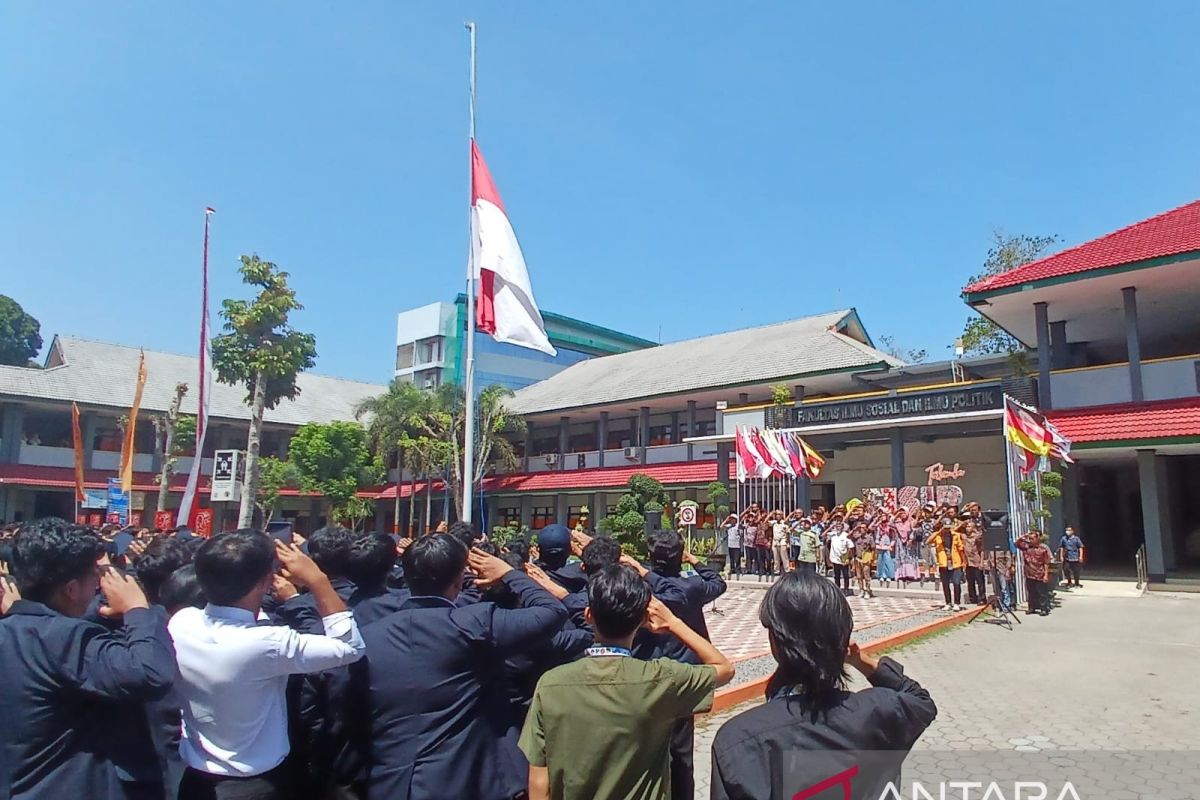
[428, 503]
[412, 504]
[253, 441]
[399, 477]
[165, 470]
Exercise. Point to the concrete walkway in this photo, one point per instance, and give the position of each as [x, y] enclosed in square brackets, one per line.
[1103, 693]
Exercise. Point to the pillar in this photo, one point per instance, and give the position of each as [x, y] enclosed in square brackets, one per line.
[804, 495]
[528, 447]
[1166, 520]
[602, 435]
[1059, 351]
[1133, 344]
[898, 458]
[1041, 315]
[492, 516]
[12, 425]
[87, 430]
[562, 504]
[723, 451]
[563, 441]
[1151, 515]
[691, 426]
[643, 433]
[381, 516]
[526, 511]
[600, 509]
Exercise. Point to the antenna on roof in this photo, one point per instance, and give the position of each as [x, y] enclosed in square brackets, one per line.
[660, 333]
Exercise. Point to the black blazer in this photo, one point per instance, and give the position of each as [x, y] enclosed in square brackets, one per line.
[63, 678]
[754, 754]
[436, 704]
[686, 597]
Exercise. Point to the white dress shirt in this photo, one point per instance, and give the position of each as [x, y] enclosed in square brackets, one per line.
[232, 676]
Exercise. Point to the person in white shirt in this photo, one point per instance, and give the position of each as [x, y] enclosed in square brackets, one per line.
[841, 553]
[233, 670]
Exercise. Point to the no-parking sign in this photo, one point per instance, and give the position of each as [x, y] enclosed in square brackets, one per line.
[687, 515]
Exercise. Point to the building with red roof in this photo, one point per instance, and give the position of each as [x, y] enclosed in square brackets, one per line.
[1115, 323]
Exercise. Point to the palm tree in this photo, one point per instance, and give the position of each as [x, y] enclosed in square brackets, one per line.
[492, 449]
[394, 418]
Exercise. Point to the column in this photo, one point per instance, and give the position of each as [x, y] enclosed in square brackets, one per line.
[12, 424]
[723, 451]
[1041, 314]
[691, 426]
[563, 441]
[493, 513]
[804, 494]
[526, 511]
[1133, 344]
[600, 509]
[1059, 351]
[381, 516]
[898, 458]
[528, 447]
[561, 508]
[602, 435]
[643, 433]
[87, 429]
[1166, 520]
[1151, 516]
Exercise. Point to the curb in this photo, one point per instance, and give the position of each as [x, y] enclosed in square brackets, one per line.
[736, 695]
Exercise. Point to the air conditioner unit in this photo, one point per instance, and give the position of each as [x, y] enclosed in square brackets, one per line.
[631, 453]
[551, 459]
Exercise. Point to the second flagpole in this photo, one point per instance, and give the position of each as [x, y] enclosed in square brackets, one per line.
[469, 376]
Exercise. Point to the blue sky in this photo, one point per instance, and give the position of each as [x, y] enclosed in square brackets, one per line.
[692, 167]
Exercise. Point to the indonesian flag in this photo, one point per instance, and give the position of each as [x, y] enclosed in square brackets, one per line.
[750, 460]
[506, 308]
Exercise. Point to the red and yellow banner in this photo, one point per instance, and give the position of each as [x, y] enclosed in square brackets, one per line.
[77, 443]
[127, 446]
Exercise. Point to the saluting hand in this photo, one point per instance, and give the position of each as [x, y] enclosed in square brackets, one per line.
[579, 540]
[403, 545]
[487, 568]
[122, 593]
[282, 589]
[9, 593]
[297, 567]
[659, 618]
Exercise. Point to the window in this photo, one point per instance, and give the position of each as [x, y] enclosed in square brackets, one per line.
[430, 350]
[574, 513]
[660, 434]
[404, 356]
[510, 516]
[705, 427]
[620, 438]
[542, 516]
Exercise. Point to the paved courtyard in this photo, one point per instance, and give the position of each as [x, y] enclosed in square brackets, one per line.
[735, 630]
[1103, 693]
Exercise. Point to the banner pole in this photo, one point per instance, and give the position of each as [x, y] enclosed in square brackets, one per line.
[468, 476]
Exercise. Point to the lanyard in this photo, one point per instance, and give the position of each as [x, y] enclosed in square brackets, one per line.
[606, 650]
[790, 691]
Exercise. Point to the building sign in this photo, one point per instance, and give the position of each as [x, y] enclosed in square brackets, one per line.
[896, 407]
[164, 520]
[202, 522]
[94, 498]
[938, 472]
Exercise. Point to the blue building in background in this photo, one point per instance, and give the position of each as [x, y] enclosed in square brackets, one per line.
[430, 348]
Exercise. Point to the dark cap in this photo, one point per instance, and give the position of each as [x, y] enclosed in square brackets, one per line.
[554, 537]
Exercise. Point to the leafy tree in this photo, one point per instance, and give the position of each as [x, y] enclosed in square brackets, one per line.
[173, 434]
[393, 424]
[356, 511]
[718, 502]
[20, 334]
[908, 355]
[333, 459]
[261, 351]
[628, 524]
[274, 476]
[982, 336]
[492, 449]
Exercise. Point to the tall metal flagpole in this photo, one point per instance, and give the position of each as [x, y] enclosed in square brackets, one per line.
[468, 475]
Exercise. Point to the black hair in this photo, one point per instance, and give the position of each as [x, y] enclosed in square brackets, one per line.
[329, 548]
[464, 532]
[161, 558]
[370, 559]
[182, 589]
[230, 564]
[618, 598]
[666, 552]
[192, 546]
[489, 548]
[600, 552]
[519, 547]
[50, 552]
[433, 563]
[809, 623]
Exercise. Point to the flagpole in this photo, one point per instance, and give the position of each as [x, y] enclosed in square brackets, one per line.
[469, 377]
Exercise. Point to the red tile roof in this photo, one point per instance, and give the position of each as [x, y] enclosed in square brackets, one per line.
[1170, 233]
[64, 478]
[682, 473]
[1161, 419]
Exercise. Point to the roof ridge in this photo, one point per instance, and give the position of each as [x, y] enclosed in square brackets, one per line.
[867, 349]
[1144, 404]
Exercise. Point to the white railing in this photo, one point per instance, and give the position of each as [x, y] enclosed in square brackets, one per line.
[1162, 379]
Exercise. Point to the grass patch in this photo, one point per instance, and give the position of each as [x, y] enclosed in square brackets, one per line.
[924, 637]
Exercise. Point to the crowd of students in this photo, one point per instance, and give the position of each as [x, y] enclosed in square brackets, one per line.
[360, 665]
[940, 542]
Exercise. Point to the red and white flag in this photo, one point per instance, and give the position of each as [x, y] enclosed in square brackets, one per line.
[506, 308]
[205, 388]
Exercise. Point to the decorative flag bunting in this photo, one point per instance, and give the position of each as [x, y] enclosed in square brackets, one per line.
[764, 453]
[205, 379]
[77, 443]
[1027, 431]
[506, 308]
[813, 460]
[131, 427]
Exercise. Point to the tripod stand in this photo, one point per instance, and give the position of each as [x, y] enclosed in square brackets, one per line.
[1000, 610]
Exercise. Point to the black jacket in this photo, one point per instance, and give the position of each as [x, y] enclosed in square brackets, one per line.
[63, 679]
[753, 754]
[435, 705]
[686, 597]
